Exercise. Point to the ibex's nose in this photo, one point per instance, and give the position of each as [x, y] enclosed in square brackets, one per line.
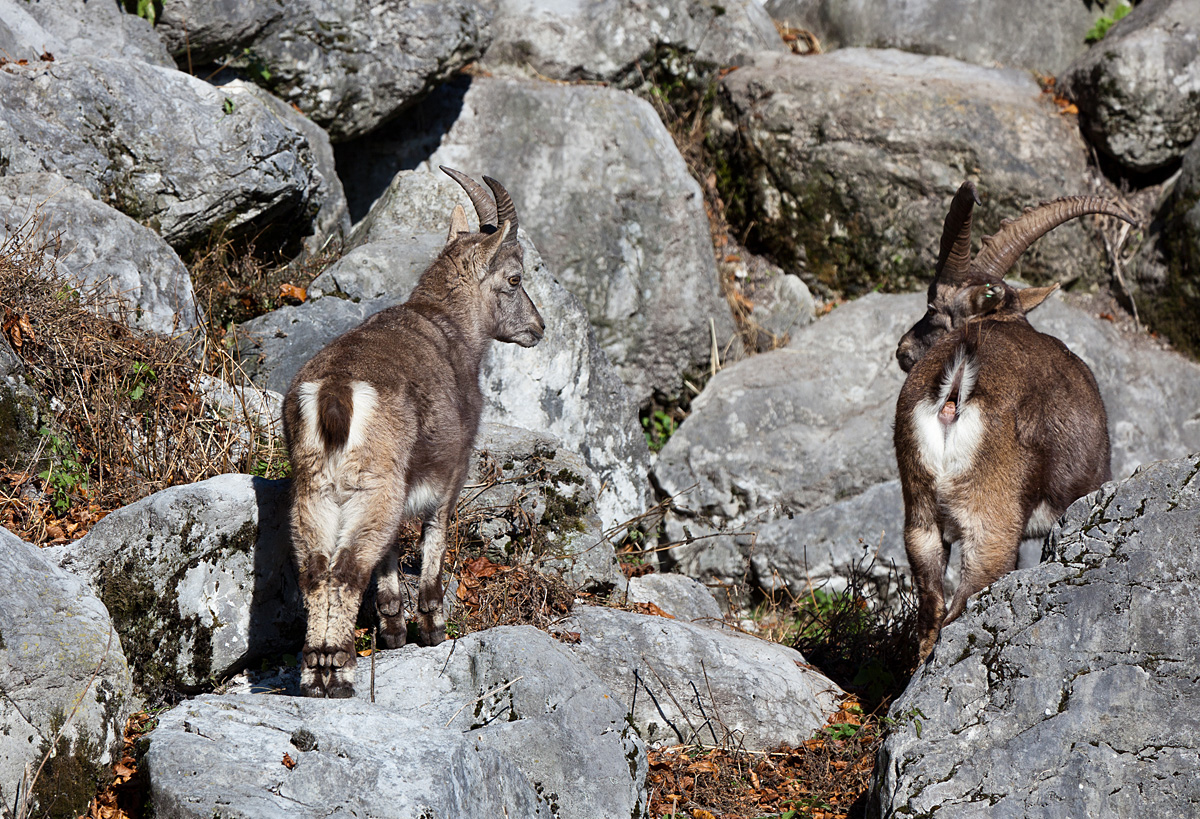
[905, 356]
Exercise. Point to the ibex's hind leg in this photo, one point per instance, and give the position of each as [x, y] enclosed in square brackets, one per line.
[431, 620]
[390, 600]
[927, 557]
[990, 549]
[314, 535]
[371, 519]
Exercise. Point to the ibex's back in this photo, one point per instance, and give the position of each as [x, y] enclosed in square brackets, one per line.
[998, 427]
[380, 425]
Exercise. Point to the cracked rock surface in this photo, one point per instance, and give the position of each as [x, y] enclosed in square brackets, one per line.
[1067, 689]
[501, 722]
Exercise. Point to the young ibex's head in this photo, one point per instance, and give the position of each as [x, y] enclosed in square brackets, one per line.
[964, 288]
[493, 256]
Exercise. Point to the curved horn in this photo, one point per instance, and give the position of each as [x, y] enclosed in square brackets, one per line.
[484, 208]
[507, 211]
[955, 257]
[1000, 251]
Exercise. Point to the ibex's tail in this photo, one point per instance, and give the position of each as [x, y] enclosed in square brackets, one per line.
[336, 412]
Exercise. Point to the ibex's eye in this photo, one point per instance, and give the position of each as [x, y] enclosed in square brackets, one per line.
[514, 280]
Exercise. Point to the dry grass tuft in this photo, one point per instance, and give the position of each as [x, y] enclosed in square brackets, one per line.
[129, 412]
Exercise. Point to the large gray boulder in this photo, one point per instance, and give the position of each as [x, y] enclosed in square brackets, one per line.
[64, 685]
[683, 683]
[1040, 35]
[79, 28]
[565, 386]
[351, 66]
[605, 40]
[640, 256]
[199, 580]
[104, 251]
[1062, 690]
[846, 163]
[1138, 90]
[500, 721]
[793, 449]
[534, 502]
[332, 220]
[165, 148]
[196, 32]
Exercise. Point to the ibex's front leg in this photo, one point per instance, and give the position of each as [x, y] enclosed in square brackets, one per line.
[390, 599]
[431, 620]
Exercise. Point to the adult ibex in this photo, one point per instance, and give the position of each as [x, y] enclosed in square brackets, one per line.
[998, 427]
[380, 424]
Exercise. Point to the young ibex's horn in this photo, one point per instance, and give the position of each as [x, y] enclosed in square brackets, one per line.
[507, 211]
[484, 207]
[1016, 235]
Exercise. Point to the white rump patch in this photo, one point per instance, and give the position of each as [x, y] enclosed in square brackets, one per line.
[363, 402]
[948, 450]
[308, 412]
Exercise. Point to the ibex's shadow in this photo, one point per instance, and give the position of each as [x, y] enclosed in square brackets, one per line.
[276, 623]
[367, 165]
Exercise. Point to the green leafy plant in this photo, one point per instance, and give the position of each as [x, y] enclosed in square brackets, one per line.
[148, 10]
[256, 66]
[1100, 28]
[66, 473]
[143, 376]
[228, 107]
[659, 427]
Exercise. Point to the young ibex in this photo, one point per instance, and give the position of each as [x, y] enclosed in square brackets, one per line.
[380, 424]
[998, 427]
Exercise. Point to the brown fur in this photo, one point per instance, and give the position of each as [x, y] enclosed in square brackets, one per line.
[397, 403]
[1030, 435]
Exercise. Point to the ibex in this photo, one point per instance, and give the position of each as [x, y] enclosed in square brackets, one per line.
[380, 424]
[998, 427]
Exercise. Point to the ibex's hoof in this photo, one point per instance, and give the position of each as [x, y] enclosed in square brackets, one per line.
[431, 629]
[393, 631]
[313, 682]
[327, 671]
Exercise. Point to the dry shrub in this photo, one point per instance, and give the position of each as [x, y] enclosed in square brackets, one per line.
[492, 594]
[131, 412]
[824, 777]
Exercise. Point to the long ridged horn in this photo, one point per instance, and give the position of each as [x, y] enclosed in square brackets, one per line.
[506, 210]
[954, 260]
[1000, 251]
[484, 207]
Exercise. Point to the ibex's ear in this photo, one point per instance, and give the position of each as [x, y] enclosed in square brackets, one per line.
[458, 223]
[490, 246]
[1031, 297]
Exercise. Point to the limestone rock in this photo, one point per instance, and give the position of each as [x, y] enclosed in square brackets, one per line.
[61, 669]
[350, 66]
[605, 40]
[1040, 35]
[731, 687]
[501, 720]
[104, 250]
[1138, 89]
[199, 579]
[846, 164]
[165, 148]
[1059, 692]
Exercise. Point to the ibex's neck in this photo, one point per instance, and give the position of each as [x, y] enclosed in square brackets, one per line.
[453, 303]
